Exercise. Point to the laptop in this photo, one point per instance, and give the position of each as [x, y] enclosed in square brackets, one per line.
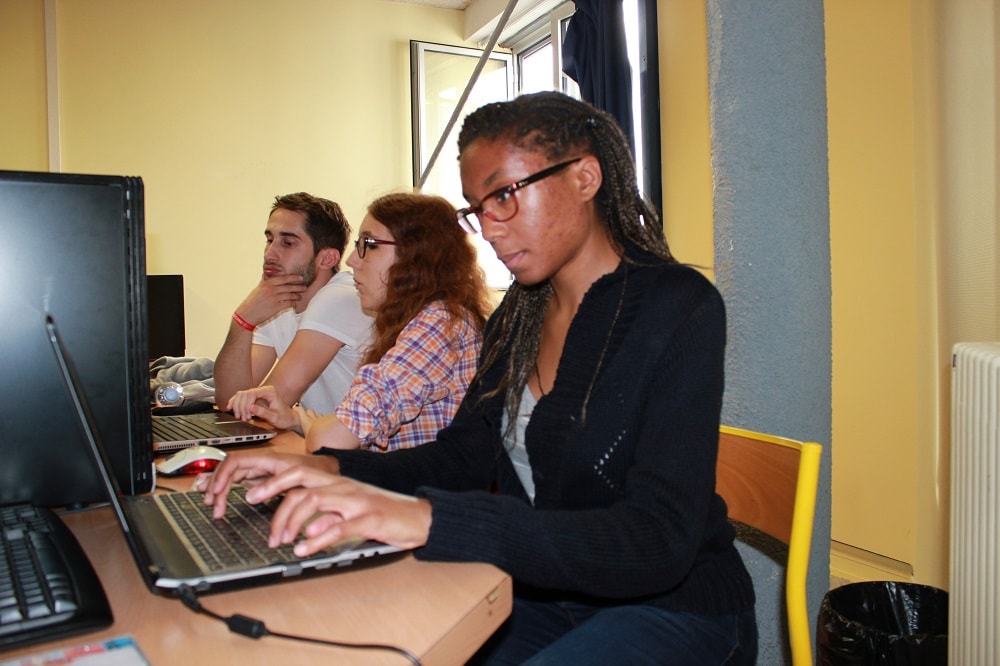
[171, 433]
[176, 547]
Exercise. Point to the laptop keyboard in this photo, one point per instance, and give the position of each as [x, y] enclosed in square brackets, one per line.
[47, 587]
[171, 430]
[238, 539]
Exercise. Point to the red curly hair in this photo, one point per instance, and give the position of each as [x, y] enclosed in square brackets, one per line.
[435, 261]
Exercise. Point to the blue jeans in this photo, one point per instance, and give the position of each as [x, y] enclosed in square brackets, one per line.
[553, 634]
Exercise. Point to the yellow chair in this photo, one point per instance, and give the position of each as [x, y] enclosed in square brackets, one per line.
[769, 483]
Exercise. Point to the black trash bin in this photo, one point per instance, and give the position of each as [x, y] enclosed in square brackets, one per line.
[883, 623]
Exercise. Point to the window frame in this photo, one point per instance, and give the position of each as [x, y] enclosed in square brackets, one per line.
[418, 93]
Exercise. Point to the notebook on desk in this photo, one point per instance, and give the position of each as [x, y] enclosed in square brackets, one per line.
[176, 546]
[171, 433]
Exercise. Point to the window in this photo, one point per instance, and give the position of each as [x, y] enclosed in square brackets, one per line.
[530, 60]
[643, 54]
[538, 53]
[439, 76]
[535, 67]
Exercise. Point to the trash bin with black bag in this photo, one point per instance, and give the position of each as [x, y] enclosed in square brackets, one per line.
[883, 622]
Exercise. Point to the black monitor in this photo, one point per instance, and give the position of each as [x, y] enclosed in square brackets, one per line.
[165, 298]
[73, 248]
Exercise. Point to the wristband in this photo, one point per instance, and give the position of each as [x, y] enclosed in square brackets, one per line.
[243, 323]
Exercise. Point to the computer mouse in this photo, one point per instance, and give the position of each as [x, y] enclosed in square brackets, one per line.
[192, 460]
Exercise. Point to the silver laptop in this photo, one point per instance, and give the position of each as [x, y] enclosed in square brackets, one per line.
[175, 542]
[171, 433]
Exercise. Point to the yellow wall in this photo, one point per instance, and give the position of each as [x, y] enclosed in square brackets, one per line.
[685, 132]
[222, 105]
[23, 135]
[889, 495]
[878, 347]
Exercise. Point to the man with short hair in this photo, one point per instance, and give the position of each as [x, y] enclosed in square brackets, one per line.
[301, 329]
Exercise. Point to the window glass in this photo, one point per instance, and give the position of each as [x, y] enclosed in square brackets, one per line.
[440, 76]
[536, 67]
[631, 12]
[538, 51]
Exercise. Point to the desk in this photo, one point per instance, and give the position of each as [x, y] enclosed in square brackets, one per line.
[440, 612]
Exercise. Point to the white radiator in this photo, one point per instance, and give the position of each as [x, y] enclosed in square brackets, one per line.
[974, 594]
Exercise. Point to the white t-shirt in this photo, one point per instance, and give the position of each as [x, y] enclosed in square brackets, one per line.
[335, 311]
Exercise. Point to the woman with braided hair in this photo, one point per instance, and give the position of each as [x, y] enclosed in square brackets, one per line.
[582, 459]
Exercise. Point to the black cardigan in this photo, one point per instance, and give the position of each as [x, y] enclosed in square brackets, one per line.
[625, 508]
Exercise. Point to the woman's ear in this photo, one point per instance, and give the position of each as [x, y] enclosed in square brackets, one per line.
[589, 176]
[328, 257]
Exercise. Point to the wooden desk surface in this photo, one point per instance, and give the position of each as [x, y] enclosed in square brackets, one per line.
[440, 612]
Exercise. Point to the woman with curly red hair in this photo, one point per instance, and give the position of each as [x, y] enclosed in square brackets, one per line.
[416, 273]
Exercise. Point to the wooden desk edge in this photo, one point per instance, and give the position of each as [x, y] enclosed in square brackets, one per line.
[479, 624]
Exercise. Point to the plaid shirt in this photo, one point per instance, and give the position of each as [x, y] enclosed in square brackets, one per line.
[415, 389]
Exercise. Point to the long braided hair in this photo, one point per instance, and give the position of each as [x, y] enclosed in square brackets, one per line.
[559, 127]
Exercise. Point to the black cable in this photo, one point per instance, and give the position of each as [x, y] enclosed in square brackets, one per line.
[253, 628]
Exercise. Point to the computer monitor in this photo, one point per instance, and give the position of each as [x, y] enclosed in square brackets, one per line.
[73, 248]
[165, 299]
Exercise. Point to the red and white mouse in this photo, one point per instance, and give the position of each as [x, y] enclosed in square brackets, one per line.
[192, 460]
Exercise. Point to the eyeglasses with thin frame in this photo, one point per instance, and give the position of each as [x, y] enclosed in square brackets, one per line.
[501, 204]
[362, 245]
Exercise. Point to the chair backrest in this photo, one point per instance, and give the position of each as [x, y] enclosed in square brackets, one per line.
[770, 483]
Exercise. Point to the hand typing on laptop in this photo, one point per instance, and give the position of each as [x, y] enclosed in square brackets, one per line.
[266, 404]
[322, 506]
[251, 468]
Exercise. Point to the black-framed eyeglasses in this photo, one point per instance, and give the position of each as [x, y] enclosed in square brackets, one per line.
[362, 245]
[500, 205]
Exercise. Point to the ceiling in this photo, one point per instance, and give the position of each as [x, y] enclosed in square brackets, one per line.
[442, 4]
[525, 14]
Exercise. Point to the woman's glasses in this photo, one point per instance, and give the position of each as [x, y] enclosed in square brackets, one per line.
[501, 205]
[362, 245]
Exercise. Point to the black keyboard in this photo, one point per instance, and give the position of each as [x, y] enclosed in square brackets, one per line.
[237, 540]
[48, 588]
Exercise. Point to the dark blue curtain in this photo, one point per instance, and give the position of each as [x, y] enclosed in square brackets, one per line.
[596, 57]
